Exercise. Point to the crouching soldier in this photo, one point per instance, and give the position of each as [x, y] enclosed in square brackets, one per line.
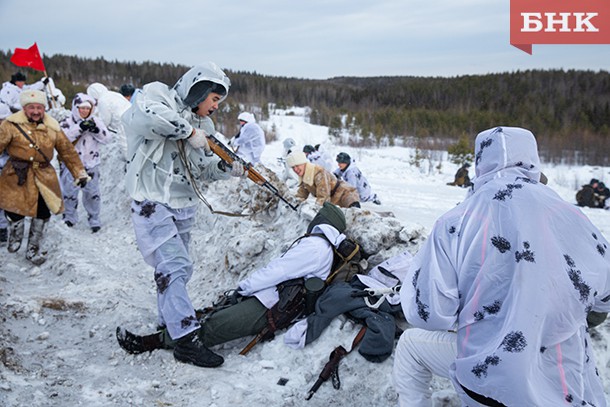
[29, 186]
[324, 186]
[462, 179]
[258, 299]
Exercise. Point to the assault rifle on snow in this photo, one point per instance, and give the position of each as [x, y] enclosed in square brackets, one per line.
[229, 156]
[331, 369]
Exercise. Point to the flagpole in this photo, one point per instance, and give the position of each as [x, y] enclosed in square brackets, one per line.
[50, 90]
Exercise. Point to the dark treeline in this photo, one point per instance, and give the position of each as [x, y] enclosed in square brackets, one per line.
[569, 111]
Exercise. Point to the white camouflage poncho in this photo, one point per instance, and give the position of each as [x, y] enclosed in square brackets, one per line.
[156, 124]
[517, 269]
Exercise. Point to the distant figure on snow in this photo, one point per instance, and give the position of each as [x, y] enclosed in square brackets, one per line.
[593, 194]
[461, 178]
[323, 185]
[86, 132]
[249, 143]
[350, 173]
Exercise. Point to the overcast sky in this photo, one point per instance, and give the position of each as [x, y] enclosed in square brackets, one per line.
[305, 39]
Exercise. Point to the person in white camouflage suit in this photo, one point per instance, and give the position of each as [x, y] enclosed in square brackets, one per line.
[168, 156]
[350, 173]
[87, 132]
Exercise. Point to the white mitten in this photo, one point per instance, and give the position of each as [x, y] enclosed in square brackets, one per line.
[238, 169]
[199, 140]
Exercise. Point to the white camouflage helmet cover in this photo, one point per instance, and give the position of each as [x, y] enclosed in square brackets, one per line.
[208, 71]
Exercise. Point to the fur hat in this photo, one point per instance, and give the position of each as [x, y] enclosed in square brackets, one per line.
[331, 215]
[32, 96]
[17, 77]
[296, 158]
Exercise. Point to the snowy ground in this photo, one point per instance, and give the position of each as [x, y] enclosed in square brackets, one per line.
[57, 343]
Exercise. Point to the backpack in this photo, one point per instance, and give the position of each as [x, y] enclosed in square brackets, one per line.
[346, 260]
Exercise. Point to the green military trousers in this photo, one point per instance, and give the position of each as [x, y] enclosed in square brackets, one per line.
[245, 318]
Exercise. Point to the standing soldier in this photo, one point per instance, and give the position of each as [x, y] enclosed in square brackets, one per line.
[28, 184]
[169, 159]
[249, 143]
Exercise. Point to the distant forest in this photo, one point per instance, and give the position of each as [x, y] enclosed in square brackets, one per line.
[568, 111]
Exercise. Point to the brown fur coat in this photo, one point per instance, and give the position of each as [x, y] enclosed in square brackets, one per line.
[320, 183]
[40, 177]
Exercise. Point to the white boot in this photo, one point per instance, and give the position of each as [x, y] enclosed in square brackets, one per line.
[15, 235]
[33, 252]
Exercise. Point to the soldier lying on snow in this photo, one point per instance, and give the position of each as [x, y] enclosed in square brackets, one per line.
[273, 297]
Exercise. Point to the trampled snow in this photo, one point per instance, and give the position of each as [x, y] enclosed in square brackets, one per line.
[57, 335]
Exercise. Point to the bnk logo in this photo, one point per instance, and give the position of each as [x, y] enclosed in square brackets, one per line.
[559, 22]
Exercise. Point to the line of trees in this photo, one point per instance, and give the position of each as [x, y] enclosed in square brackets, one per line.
[569, 111]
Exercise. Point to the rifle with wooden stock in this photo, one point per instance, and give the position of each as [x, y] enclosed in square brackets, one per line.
[290, 307]
[229, 156]
[331, 368]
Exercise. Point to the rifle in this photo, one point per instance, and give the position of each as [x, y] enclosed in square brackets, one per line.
[229, 156]
[331, 369]
[290, 307]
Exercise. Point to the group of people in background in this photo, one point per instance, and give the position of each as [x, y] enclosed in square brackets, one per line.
[498, 306]
[593, 195]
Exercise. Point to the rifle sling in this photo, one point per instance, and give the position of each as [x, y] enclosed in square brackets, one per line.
[187, 167]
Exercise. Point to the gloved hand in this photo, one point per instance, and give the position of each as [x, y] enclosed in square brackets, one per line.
[82, 181]
[45, 80]
[198, 139]
[88, 125]
[238, 169]
[234, 297]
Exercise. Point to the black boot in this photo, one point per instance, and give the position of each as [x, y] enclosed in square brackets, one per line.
[190, 349]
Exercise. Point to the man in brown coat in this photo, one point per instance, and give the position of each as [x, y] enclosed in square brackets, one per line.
[29, 186]
[320, 183]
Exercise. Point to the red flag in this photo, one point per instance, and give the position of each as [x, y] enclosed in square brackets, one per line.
[28, 58]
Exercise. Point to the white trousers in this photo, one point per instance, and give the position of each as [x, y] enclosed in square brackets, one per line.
[163, 236]
[419, 355]
[92, 201]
